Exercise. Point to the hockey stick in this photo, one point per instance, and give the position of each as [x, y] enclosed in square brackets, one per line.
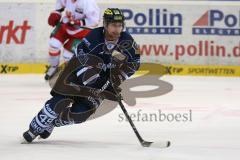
[144, 143]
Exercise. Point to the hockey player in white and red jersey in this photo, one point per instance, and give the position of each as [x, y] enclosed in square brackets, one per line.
[71, 19]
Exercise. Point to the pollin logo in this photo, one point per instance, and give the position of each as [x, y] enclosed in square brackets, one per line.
[215, 22]
[153, 21]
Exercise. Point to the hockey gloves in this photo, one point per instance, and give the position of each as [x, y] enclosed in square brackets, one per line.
[117, 75]
[54, 18]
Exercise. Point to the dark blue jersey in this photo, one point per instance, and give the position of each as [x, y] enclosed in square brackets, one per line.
[97, 64]
[95, 44]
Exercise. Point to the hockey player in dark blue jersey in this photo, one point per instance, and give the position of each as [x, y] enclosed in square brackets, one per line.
[103, 60]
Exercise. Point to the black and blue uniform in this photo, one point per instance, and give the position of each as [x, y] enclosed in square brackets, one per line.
[94, 66]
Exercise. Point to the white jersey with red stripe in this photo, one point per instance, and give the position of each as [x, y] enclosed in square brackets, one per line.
[86, 10]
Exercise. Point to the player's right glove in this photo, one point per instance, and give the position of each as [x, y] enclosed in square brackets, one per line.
[117, 75]
[54, 18]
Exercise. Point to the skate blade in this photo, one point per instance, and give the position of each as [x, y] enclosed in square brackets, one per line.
[23, 141]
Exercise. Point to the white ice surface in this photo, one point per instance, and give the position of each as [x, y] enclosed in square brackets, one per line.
[213, 133]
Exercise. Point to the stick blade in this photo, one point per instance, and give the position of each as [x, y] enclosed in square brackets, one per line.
[160, 144]
[146, 143]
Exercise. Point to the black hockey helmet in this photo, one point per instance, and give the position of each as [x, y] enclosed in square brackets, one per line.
[112, 15]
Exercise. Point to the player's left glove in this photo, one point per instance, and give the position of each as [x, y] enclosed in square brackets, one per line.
[54, 18]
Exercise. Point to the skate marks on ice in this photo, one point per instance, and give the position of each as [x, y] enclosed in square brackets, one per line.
[198, 140]
[79, 144]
